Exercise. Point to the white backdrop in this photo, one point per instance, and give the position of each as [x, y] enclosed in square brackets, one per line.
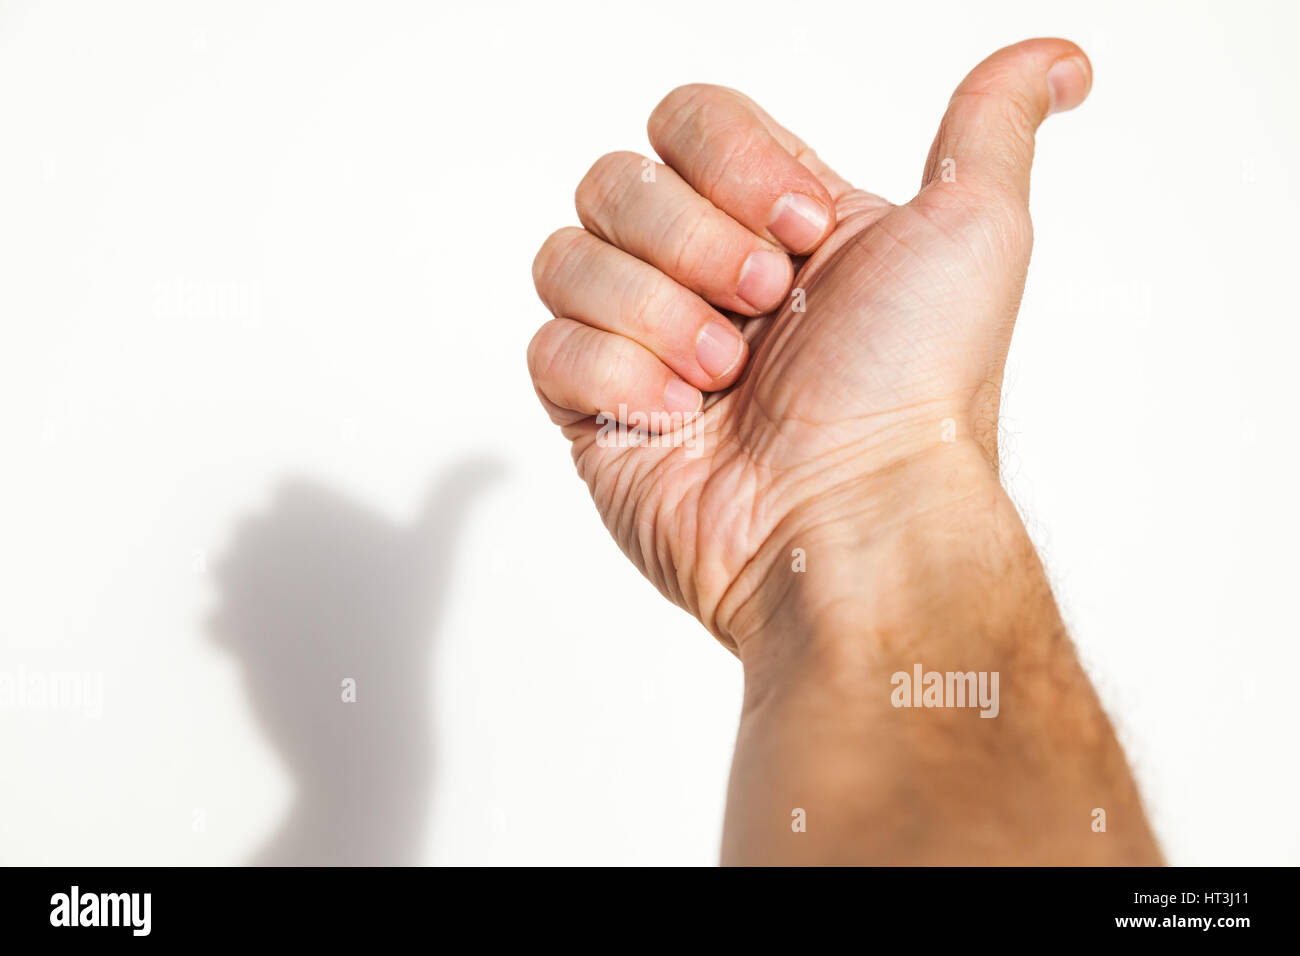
[264, 284]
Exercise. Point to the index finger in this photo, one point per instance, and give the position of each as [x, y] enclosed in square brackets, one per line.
[716, 140]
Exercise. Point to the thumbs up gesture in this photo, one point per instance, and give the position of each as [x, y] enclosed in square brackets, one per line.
[800, 357]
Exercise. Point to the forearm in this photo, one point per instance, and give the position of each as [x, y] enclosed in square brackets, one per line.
[888, 772]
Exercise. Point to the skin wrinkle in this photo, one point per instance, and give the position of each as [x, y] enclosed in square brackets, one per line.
[687, 244]
[1013, 107]
[645, 300]
[1011, 240]
[545, 361]
[546, 267]
[609, 189]
[899, 240]
[677, 108]
[649, 531]
[691, 128]
[755, 511]
[577, 259]
[682, 591]
[773, 523]
[739, 153]
[648, 538]
[884, 266]
[809, 531]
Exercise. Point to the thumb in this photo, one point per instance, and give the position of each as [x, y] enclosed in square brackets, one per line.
[986, 139]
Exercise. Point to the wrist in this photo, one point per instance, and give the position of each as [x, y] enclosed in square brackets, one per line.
[859, 562]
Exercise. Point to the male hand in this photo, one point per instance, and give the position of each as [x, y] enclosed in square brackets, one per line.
[886, 358]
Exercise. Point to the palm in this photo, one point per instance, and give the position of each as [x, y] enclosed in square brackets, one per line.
[906, 314]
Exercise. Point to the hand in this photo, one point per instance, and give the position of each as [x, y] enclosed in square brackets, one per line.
[886, 358]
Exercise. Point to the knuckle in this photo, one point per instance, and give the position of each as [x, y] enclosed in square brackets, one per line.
[605, 180]
[549, 263]
[1009, 114]
[544, 348]
[649, 308]
[611, 368]
[689, 243]
[1017, 228]
[735, 152]
[683, 105]
[1019, 117]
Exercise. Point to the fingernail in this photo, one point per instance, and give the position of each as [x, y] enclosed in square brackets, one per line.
[764, 278]
[797, 221]
[1068, 80]
[718, 347]
[682, 398]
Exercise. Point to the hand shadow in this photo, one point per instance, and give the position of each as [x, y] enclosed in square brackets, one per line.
[319, 592]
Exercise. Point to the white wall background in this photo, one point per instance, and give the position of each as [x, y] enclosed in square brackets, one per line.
[243, 243]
